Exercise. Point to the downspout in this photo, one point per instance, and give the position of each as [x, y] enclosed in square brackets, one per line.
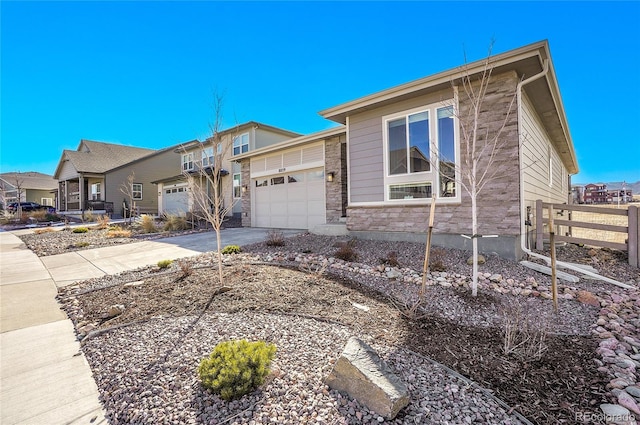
[523, 230]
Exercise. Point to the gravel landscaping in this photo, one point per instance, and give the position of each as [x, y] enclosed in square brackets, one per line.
[306, 301]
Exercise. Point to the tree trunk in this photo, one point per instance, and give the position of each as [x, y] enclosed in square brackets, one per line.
[474, 241]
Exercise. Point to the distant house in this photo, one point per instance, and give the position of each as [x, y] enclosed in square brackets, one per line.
[196, 157]
[146, 170]
[28, 187]
[81, 175]
[621, 196]
[596, 193]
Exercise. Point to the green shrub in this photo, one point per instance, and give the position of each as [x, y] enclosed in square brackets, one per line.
[81, 244]
[231, 249]
[80, 230]
[163, 264]
[235, 368]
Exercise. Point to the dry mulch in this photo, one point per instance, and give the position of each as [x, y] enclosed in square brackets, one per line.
[548, 391]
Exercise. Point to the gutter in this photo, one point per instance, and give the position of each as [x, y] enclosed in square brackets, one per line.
[523, 229]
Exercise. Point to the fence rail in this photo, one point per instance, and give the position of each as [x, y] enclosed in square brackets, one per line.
[632, 229]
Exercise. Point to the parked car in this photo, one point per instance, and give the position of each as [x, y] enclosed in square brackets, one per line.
[26, 206]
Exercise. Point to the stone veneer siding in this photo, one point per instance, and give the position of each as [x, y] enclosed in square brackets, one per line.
[498, 203]
[336, 191]
[246, 196]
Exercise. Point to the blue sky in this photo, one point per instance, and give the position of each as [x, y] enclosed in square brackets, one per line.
[144, 73]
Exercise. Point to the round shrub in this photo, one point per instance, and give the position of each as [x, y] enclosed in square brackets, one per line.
[80, 230]
[235, 368]
[231, 249]
[163, 264]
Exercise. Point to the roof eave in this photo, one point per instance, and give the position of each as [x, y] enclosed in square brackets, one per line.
[338, 113]
[332, 132]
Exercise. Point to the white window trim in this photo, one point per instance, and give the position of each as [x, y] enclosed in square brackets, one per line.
[133, 191]
[208, 160]
[186, 159]
[97, 185]
[239, 185]
[424, 176]
[240, 145]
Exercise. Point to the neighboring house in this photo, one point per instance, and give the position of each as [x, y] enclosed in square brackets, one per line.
[596, 194]
[81, 176]
[299, 183]
[620, 196]
[29, 187]
[195, 157]
[146, 170]
[390, 183]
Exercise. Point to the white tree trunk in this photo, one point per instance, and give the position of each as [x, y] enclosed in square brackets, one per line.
[474, 240]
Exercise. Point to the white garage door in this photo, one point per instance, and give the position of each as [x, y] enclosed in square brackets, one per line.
[175, 200]
[290, 201]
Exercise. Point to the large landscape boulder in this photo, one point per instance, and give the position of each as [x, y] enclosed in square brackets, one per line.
[363, 375]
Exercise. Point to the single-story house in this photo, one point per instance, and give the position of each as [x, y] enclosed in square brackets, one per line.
[81, 176]
[195, 157]
[29, 187]
[403, 146]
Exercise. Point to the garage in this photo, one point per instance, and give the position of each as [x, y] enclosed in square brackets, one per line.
[175, 199]
[290, 201]
[288, 189]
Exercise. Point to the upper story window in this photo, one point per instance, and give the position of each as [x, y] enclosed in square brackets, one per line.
[208, 159]
[136, 191]
[187, 161]
[241, 144]
[421, 154]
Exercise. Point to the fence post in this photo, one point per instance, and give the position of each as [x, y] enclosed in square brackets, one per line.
[539, 226]
[633, 237]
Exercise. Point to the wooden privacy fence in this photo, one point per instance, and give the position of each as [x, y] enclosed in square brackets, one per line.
[632, 229]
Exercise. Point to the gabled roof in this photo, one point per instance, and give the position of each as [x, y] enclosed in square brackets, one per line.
[179, 147]
[30, 180]
[98, 157]
[526, 61]
[254, 124]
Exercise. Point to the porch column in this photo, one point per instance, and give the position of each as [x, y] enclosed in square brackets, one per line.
[81, 191]
[66, 195]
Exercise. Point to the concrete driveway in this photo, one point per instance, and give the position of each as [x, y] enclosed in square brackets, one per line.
[80, 265]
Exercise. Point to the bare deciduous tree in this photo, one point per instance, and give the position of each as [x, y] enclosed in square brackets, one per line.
[206, 185]
[126, 188]
[482, 143]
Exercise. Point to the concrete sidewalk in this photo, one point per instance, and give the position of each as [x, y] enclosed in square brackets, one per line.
[45, 378]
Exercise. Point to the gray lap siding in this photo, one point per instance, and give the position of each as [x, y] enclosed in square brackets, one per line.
[498, 203]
